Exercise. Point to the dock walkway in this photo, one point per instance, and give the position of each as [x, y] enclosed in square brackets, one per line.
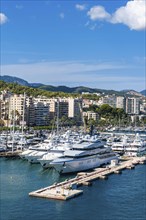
[68, 189]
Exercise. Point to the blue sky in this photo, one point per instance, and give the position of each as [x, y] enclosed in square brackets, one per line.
[99, 44]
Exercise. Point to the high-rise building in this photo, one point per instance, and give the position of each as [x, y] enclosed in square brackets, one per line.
[74, 108]
[17, 108]
[121, 102]
[41, 113]
[63, 107]
[133, 105]
[30, 111]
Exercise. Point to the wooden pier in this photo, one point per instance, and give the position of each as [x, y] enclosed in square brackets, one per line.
[68, 189]
[10, 154]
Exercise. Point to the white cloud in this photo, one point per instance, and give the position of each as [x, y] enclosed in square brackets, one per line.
[80, 7]
[3, 18]
[73, 73]
[98, 13]
[133, 14]
[57, 70]
[66, 66]
[62, 15]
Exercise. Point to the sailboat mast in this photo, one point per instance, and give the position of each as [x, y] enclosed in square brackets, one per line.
[23, 114]
[13, 131]
[57, 117]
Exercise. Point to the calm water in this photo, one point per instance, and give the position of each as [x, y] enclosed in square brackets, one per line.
[121, 197]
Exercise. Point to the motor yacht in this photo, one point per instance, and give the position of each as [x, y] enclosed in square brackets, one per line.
[84, 156]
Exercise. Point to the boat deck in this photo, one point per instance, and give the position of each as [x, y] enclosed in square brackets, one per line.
[68, 189]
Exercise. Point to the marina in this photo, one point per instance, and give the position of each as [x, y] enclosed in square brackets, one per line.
[86, 155]
[68, 189]
[19, 178]
[73, 110]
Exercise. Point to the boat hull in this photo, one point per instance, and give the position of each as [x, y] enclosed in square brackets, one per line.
[81, 164]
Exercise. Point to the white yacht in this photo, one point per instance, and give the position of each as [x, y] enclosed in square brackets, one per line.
[90, 138]
[30, 150]
[54, 153]
[43, 146]
[35, 155]
[24, 153]
[84, 156]
[120, 146]
[112, 139]
[37, 152]
[137, 147]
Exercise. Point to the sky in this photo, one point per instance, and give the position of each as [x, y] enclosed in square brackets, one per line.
[98, 43]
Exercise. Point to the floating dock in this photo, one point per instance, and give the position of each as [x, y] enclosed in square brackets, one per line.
[68, 189]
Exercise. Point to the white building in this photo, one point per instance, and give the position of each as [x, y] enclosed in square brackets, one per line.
[17, 108]
[74, 108]
[121, 102]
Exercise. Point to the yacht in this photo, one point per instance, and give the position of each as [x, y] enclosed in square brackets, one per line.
[36, 152]
[54, 153]
[2, 148]
[25, 153]
[36, 147]
[120, 146]
[63, 145]
[84, 156]
[35, 155]
[137, 147]
[112, 139]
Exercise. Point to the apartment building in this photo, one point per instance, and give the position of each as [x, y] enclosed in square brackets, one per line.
[68, 107]
[63, 106]
[133, 105]
[41, 110]
[108, 99]
[18, 105]
[52, 102]
[74, 108]
[30, 111]
[4, 106]
[41, 113]
[121, 102]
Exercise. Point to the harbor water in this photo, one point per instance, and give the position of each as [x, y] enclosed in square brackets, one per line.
[121, 197]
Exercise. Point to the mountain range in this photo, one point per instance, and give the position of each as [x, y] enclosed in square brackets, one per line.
[79, 89]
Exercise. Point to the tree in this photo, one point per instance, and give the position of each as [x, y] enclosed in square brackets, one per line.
[105, 109]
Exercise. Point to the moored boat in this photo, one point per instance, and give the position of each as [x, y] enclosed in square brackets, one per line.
[84, 156]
